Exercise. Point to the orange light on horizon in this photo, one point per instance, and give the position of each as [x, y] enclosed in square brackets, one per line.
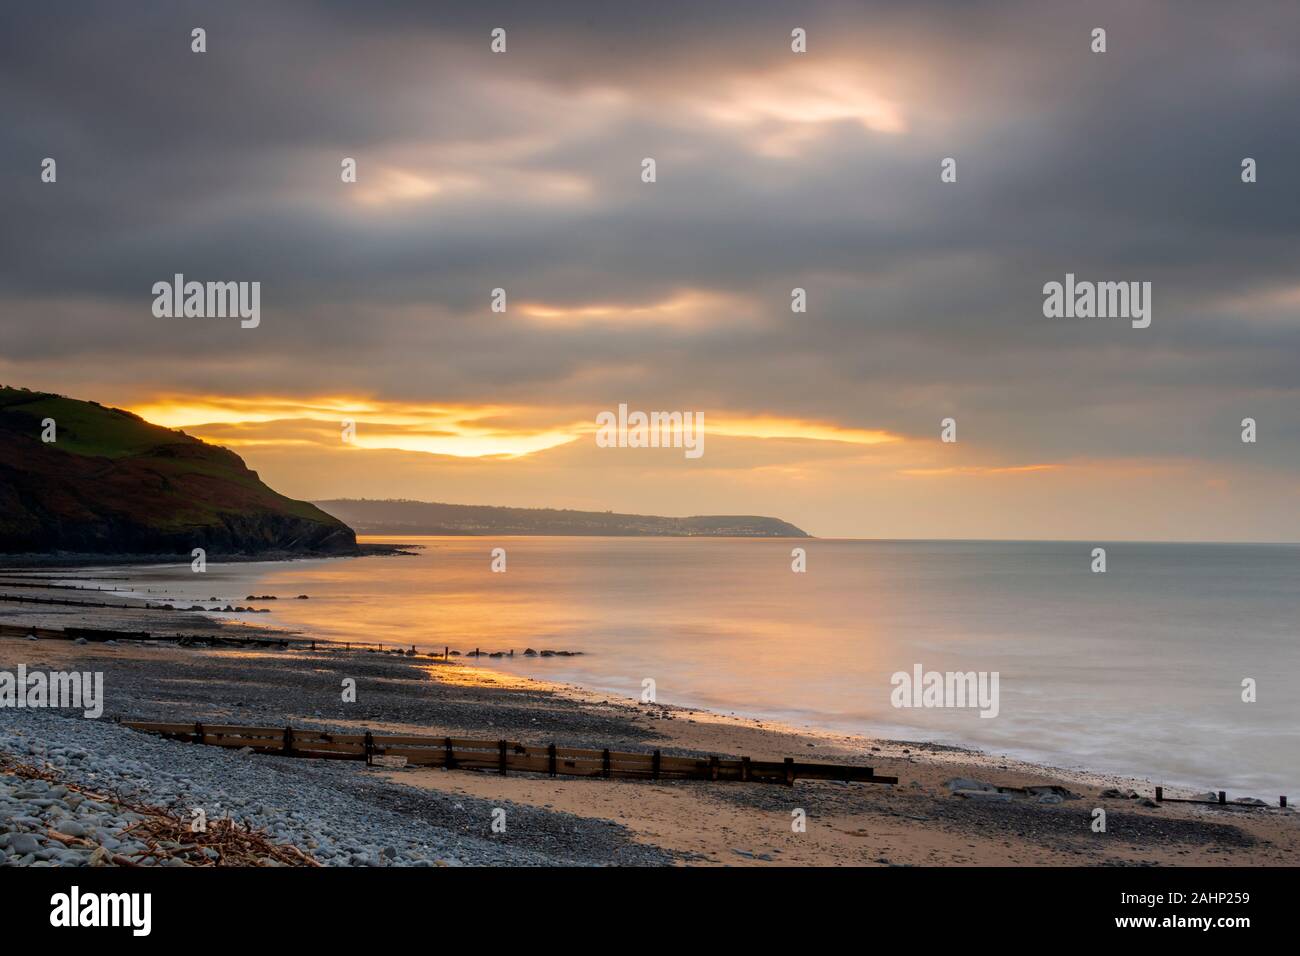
[464, 431]
[188, 411]
[457, 430]
[977, 470]
[772, 426]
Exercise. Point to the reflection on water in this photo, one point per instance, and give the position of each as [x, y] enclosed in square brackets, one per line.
[1137, 670]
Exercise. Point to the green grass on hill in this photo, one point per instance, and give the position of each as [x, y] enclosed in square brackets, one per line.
[86, 428]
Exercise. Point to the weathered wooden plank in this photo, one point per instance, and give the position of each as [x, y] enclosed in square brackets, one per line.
[415, 740]
[524, 764]
[572, 753]
[322, 746]
[669, 764]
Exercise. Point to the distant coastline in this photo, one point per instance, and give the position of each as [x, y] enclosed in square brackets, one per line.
[399, 516]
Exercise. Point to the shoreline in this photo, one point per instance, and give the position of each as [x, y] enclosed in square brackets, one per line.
[215, 626]
[87, 561]
[963, 755]
[805, 661]
[248, 629]
[923, 820]
[775, 722]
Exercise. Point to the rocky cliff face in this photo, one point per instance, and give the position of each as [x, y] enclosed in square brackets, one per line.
[111, 483]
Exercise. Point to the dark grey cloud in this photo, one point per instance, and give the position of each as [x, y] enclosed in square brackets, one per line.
[925, 297]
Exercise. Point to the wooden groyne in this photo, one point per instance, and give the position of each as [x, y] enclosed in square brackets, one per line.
[63, 602]
[503, 756]
[102, 635]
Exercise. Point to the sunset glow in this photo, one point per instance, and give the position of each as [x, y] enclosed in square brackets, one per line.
[463, 432]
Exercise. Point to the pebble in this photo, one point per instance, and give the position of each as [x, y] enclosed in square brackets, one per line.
[330, 808]
[24, 843]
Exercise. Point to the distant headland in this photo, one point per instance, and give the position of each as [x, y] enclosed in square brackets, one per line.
[428, 517]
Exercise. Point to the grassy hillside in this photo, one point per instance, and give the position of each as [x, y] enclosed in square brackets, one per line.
[112, 483]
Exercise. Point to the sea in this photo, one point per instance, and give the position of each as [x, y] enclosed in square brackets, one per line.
[1180, 663]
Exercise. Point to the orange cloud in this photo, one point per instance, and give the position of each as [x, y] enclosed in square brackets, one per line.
[785, 111]
[395, 185]
[979, 470]
[459, 431]
[684, 308]
[771, 426]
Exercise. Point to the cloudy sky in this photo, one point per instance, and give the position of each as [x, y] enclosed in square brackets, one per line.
[775, 170]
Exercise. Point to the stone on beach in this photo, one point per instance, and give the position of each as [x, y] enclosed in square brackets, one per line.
[989, 795]
[1053, 790]
[24, 843]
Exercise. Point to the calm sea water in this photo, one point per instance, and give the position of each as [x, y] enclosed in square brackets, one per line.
[1136, 671]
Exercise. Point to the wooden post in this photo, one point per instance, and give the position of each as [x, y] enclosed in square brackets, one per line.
[1223, 797]
[604, 762]
[501, 756]
[445, 651]
[713, 768]
[1160, 794]
[198, 732]
[744, 769]
[550, 759]
[288, 740]
[789, 771]
[654, 766]
[451, 759]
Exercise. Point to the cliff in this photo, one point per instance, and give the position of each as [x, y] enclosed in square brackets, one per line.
[111, 483]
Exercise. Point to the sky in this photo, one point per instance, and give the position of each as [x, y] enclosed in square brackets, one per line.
[775, 170]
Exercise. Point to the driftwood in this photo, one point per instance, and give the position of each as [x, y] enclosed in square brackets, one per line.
[166, 834]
